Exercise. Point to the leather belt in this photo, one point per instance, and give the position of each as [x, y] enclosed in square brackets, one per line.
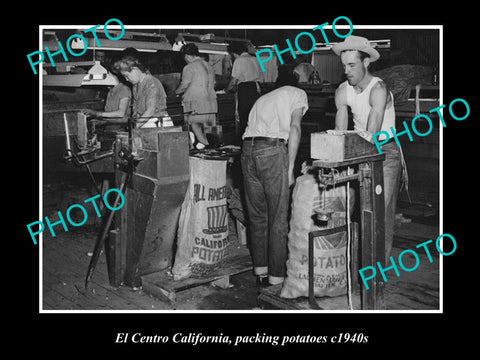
[264, 139]
[248, 83]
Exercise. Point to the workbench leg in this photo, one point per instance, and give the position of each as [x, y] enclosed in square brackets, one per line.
[372, 216]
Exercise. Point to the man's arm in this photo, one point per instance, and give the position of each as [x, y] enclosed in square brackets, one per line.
[378, 103]
[235, 76]
[341, 117]
[231, 85]
[293, 141]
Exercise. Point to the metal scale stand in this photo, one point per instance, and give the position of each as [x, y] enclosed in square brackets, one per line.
[348, 149]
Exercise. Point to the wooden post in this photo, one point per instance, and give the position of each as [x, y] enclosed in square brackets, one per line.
[372, 213]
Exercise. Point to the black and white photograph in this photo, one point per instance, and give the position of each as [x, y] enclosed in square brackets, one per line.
[298, 185]
[212, 169]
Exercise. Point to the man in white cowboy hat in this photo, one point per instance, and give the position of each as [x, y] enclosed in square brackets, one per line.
[373, 110]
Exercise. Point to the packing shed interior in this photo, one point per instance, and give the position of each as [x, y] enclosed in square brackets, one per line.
[409, 65]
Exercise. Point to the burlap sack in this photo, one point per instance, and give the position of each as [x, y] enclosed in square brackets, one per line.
[202, 237]
[330, 277]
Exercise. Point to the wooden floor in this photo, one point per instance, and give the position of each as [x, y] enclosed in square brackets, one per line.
[65, 262]
[66, 258]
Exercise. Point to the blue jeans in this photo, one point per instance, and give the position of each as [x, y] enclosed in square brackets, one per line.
[392, 168]
[265, 173]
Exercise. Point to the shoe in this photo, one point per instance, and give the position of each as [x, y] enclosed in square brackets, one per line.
[262, 281]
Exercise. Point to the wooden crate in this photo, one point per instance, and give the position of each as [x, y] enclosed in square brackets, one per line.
[340, 146]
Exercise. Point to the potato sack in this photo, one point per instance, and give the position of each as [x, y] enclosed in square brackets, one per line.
[202, 238]
[330, 260]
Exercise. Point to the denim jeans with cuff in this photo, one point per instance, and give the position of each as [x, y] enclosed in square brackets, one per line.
[265, 173]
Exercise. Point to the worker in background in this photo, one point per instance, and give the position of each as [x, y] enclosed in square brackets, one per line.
[311, 74]
[373, 110]
[117, 104]
[199, 97]
[270, 146]
[149, 97]
[246, 75]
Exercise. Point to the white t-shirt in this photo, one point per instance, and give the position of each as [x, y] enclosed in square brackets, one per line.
[271, 115]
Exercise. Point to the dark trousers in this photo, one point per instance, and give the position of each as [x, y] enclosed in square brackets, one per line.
[265, 173]
[246, 96]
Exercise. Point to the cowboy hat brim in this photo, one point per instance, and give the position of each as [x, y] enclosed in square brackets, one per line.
[354, 45]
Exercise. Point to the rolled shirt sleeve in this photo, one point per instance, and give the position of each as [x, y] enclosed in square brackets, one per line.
[300, 101]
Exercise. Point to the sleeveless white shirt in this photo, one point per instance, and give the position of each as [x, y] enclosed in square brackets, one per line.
[360, 106]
